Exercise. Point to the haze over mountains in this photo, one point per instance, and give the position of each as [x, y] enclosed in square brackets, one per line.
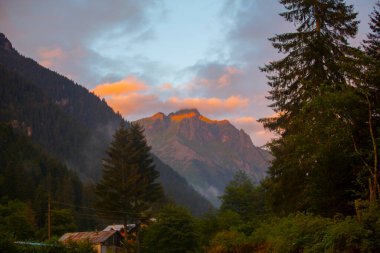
[206, 152]
[69, 122]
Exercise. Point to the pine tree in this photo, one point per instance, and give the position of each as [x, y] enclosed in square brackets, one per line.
[128, 188]
[307, 87]
[315, 55]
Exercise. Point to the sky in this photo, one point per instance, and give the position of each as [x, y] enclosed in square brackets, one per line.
[149, 56]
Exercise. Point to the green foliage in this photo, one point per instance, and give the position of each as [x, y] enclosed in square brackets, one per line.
[174, 231]
[17, 220]
[346, 236]
[27, 173]
[230, 242]
[295, 233]
[368, 147]
[313, 234]
[315, 166]
[208, 226]
[229, 219]
[62, 221]
[242, 197]
[128, 187]
[315, 169]
[315, 54]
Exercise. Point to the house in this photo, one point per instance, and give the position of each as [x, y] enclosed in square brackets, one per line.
[120, 228]
[129, 234]
[103, 241]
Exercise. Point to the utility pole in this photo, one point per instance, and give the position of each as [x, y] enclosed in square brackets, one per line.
[49, 218]
[49, 206]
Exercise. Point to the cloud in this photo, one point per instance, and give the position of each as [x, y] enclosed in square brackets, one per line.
[166, 87]
[134, 105]
[213, 105]
[83, 30]
[214, 75]
[133, 98]
[49, 56]
[216, 79]
[127, 85]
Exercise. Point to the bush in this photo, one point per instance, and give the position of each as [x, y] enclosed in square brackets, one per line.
[230, 242]
[346, 236]
[295, 233]
[175, 231]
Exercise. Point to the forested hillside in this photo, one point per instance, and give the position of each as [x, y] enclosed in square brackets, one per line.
[69, 122]
[30, 175]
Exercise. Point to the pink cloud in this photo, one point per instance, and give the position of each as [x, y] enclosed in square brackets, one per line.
[227, 76]
[52, 53]
[215, 77]
[49, 56]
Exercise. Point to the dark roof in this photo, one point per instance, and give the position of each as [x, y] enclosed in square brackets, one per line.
[92, 237]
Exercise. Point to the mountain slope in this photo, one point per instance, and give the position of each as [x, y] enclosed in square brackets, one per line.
[79, 125]
[27, 173]
[69, 121]
[206, 152]
[75, 100]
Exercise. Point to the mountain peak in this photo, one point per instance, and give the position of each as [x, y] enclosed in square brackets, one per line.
[5, 43]
[184, 114]
[158, 116]
[206, 152]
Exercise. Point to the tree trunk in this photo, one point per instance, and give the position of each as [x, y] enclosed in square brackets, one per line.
[373, 181]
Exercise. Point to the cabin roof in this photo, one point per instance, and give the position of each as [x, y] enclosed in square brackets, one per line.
[92, 237]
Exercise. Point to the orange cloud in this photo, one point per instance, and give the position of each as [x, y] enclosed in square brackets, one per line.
[125, 86]
[210, 105]
[140, 104]
[134, 103]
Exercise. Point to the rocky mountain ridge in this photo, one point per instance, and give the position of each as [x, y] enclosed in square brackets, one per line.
[206, 152]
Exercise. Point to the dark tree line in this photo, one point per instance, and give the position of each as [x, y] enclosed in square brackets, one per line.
[324, 93]
[28, 175]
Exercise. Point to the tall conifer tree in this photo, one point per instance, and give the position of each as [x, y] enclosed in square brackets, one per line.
[306, 90]
[128, 186]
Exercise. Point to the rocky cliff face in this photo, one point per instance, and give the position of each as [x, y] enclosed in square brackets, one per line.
[206, 152]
